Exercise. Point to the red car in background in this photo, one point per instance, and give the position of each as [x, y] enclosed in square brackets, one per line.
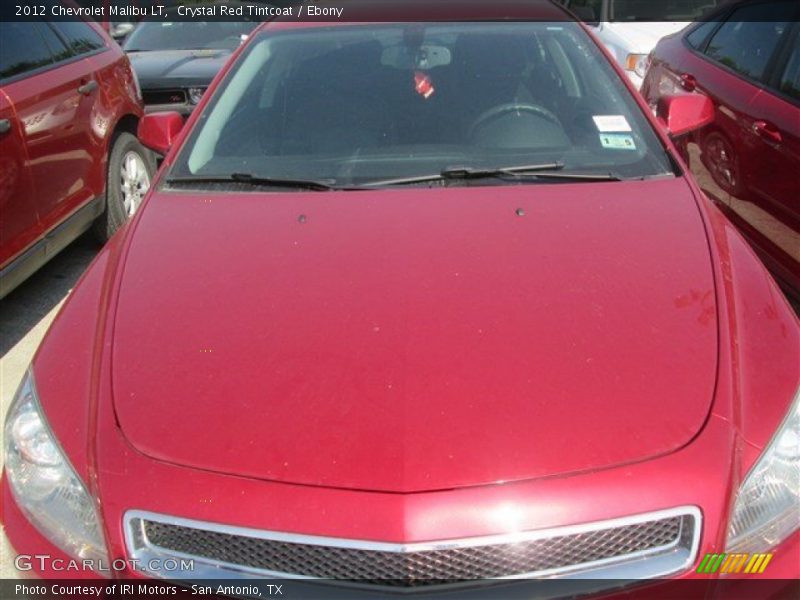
[69, 158]
[413, 303]
[746, 58]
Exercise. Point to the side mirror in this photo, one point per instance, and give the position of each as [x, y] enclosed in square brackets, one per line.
[158, 131]
[682, 113]
[120, 31]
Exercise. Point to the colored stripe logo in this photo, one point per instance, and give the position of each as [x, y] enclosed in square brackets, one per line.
[751, 564]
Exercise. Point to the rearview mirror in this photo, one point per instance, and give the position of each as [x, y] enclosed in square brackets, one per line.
[158, 131]
[427, 56]
[682, 113]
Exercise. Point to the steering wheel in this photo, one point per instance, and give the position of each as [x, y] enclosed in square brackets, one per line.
[512, 107]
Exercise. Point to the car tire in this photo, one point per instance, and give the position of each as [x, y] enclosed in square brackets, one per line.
[130, 170]
[720, 158]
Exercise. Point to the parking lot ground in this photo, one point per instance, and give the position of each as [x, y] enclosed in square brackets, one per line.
[25, 315]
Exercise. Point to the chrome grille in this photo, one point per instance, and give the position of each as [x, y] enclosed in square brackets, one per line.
[666, 541]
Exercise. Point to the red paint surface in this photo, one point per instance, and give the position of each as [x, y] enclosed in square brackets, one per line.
[55, 156]
[492, 347]
[617, 350]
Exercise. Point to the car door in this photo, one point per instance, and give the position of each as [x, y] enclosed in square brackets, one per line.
[19, 218]
[742, 50]
[54, 104]
[103, 65]
[24, 53]
[774, 174]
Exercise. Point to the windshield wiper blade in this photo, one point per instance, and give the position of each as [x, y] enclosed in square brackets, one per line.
[540, 171]
[465, 173]
[473, 173]
[580, 176]
[551, 171]
[249, 179]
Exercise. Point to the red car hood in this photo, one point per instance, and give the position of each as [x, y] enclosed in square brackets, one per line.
[411, 339]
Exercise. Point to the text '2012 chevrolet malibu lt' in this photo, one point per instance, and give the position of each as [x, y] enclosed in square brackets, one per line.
[413, 303]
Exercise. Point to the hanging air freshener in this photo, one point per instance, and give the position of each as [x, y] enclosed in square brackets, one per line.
[423, 84]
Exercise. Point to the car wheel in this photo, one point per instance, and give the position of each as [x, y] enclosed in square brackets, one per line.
[130, 170]
[721, 160]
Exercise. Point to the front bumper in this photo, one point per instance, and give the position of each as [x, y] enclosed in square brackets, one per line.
[691, 476]
[38, 558]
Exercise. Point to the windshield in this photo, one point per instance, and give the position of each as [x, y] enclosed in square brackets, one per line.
[187, 35]
[663, 10]
[358, 104]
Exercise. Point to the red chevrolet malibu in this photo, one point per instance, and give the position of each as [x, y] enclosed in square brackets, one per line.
[414, 303]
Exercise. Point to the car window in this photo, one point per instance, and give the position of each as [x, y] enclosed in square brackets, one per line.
[790, 79]
[80, 37]
[358, 103]
[698, 36]
[662, 10]
[188, 35]
[747, 40]
[581, 8]
[28, 46]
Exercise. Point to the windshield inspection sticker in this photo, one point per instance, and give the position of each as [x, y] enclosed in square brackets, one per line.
[608, 123]
[617, 141]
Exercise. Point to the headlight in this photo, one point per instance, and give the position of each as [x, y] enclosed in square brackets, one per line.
[767, 507]
[637, 63]
[195, 94]
[43, 482]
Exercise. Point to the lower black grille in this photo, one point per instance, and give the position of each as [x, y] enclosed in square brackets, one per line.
[472, 560]
[163, 96]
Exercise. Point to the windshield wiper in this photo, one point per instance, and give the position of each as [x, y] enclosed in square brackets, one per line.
[466, 173]
[540, 171]
[550, 171]
[249, 179]
[579, 176]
